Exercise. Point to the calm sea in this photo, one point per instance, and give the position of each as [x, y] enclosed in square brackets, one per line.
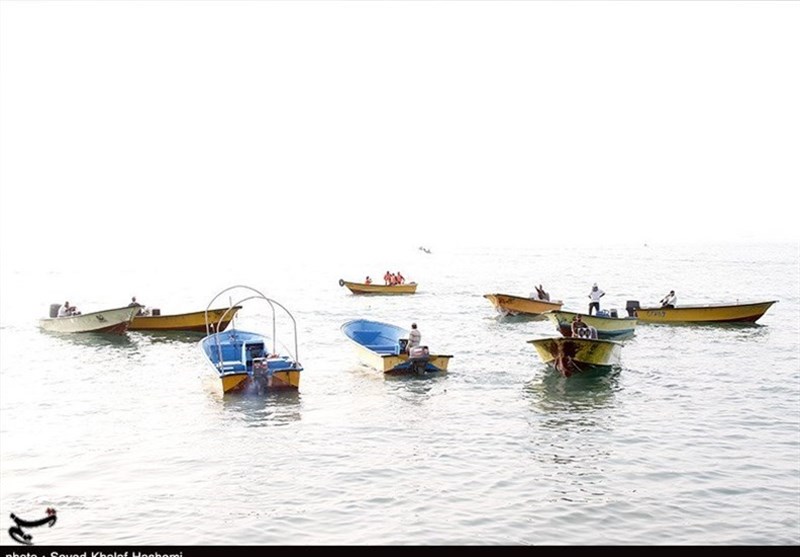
[695, 440]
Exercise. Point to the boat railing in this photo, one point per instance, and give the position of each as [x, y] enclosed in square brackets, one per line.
[257, 295]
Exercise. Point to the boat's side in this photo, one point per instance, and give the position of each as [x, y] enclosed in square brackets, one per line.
[571, 355]
[400, 363]
[194, 321]
[115, 321]
[515, 305]
[393, 361]
[361, 288]
[607, 327]
[712, 313]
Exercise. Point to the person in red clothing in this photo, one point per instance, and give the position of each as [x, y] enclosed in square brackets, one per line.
[367, 280]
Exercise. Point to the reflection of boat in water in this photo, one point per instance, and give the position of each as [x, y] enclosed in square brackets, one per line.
[363, 288]
[275, 408]
[194, 321]
[112, 321]
[382, 346]
[749, 312]
[607, 327]
[248, 360]
[506, 304]
[575, 355]
[565, 399]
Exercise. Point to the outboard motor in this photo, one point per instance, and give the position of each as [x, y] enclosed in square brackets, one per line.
[632, 306]
[419, 357]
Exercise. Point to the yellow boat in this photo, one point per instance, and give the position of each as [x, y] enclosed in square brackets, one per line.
[607, 327]
[381, 346]
[193, 321]
[506, 304]
[576, 355]
[710, 313]
[362, 288]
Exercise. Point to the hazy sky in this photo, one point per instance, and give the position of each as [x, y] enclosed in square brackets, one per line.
[159, 124]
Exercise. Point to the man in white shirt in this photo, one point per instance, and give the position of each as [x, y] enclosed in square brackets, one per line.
[595, 296]
[65, 310]
[669, 300]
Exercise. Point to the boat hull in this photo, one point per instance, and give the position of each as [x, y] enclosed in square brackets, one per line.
[361, 288]
[506, 304]
[377, 346]
[578, 356]
[189, 322]
[607, 327]
[711, 313]
[111, 321]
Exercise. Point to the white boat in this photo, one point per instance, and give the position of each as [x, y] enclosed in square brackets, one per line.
[113, 321]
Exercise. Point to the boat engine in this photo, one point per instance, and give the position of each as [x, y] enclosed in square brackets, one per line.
[419, 357]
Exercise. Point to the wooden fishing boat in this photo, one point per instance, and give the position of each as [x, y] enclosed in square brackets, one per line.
[363, 288]
[607, 327]
[382, 346]
[574, 355]
[191, 322]
[506, 304]
[114, 321]
[748, 312]
[249, 361]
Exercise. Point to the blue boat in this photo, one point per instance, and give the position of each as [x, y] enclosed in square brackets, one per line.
[248, 361]
[382, 346]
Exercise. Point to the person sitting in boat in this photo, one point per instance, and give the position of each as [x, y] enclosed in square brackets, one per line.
[579, 327]
[135, 303]
[367, 280]
[67, 310]
[387, 278]
[541, 294]
[669, 300]
[400, 278]
[414, 337]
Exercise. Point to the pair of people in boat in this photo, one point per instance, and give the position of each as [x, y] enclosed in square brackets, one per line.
[392, 279]
[67, 310]
[582, 329]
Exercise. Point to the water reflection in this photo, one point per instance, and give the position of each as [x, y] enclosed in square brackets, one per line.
[167, 337]
[551, 392]
[416, 388]
[275, 408]
[92, 340]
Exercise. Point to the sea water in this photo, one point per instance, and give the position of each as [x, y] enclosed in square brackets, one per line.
[695, 439]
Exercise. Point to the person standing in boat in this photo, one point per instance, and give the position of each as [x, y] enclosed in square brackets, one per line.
[414, 337]
[669, 300]
[137, 304]
[400, 278]
[595, 296]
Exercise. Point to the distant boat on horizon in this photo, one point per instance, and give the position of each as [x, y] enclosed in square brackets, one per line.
[426, 250]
